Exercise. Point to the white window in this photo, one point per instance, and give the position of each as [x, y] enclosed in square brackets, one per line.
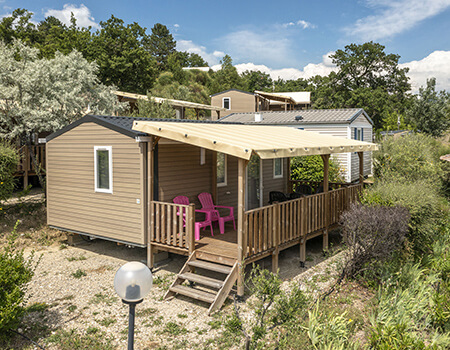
[103, 168]
[278, 168]
[226, 103]
[221, 169]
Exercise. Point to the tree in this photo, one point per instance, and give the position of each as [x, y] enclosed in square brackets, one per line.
[256, 80]
[18, 26]
[225, 78]
[121, 56]
[160, 44]
[47, 94]
[371, 79]
[430, 110]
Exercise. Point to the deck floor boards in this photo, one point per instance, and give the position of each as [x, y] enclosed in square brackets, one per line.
[223, 245]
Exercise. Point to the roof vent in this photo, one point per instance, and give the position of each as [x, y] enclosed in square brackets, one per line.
[258, 117]
[298, 118]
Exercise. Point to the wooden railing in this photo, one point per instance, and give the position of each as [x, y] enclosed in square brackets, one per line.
[268, 227]
[315, 185]
[172, 225]
[26, 163]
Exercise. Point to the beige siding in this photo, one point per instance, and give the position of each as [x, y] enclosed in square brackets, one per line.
[180, 172]
[72, 202]
[240, 102]
[271, 184]
[228, 195]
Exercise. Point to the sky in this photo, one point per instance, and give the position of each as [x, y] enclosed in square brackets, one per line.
[287, 39]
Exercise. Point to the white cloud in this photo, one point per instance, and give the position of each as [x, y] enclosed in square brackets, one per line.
[394, 16]
[323, 68]
[270, 47]
[81, 13]
[301, 23]
[434, 65]
[176, 25]
[189, 46]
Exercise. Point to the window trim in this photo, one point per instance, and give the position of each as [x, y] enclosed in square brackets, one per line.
[280, 176]
[110, 168]
[222, 184]
[229, 103]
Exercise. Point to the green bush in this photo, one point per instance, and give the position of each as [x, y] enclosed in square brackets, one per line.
[310, 168]
[9, 159]
[410, 158]
[423, 203]
[15, 272]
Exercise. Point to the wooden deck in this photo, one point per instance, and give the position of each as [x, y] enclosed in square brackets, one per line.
[218, 248]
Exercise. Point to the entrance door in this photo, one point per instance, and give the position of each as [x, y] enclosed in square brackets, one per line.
[254, 183]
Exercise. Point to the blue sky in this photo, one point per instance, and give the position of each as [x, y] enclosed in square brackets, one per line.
[287, 39]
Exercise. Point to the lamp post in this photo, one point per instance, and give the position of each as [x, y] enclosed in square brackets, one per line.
[132, 283]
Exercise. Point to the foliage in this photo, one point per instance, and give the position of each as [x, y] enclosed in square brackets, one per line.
[373, 234]
[411, 158]
[430, 110]
[256, 80]
[9, 159]
[226, 77]
[160, 44]
[310, 168]
[404, 316]
[422, 202]
[272, 307]
[328, 331]
[47, 94]
[16, 271]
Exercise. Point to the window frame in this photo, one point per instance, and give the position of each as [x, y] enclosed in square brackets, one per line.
[229, 103]
[110, 169]
[280, 176]
[224, 183]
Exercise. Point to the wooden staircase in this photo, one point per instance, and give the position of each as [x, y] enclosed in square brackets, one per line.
[214, 291]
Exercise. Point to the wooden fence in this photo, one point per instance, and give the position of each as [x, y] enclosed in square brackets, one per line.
[26, 163]
[278, 224]
[172, 225]
[315, 185]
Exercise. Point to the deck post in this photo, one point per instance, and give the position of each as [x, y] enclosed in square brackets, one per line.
[150, 212]
[276, 237]
[190, 228]
[214, 177]
[240, 228]
[361, 167]
[326, 167]
[26, 166]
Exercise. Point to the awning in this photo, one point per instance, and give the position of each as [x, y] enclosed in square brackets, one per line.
[174, 103]
[238, 140]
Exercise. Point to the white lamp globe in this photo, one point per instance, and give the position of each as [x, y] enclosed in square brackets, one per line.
[133, 281]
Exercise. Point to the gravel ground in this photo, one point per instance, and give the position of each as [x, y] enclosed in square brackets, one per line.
[90, 301]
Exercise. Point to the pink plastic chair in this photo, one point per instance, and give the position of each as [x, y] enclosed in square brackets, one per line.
[207, 204]
[183, 200]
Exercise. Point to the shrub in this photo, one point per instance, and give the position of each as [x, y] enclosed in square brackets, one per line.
[423, 203]
[9, 159]
[410, 158]
[310, 168]
[373, 234]
[15, 272]
[405, 312]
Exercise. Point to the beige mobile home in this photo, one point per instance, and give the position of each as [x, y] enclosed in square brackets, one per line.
[116, 177]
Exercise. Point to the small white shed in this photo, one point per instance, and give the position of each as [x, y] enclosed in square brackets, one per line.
[350, 123]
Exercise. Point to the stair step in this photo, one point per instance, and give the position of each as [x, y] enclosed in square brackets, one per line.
[210, 266]
[206, 281]
[193, 293]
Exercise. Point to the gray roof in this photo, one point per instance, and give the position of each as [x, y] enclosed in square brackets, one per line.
[309, 116]
[122, 125]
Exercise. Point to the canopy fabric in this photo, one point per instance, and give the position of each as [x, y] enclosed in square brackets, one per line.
[241, 141]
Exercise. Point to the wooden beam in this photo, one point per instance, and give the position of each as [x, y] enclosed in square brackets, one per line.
[150, 214]
[327, 209]
[214, 177]
[361, 167]
[242, 163]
